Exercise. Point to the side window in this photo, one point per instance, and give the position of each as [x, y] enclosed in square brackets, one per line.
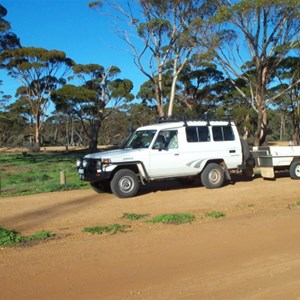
[196, 134]
[222, 133]
[228, 133]
[172, 139]
[191, 134]
[203, 134]
[166, 139]
[217, 133]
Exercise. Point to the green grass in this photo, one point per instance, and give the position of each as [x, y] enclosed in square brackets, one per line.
[173, 218]
[134, 216]
[109, 229]
[38, 173]
[10, 237]
[215, 214]
[290, 206]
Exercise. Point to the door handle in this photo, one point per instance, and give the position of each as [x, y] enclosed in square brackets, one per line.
[231, 151]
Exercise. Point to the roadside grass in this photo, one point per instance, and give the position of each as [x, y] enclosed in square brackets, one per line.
[215, 214]
[297, 203]
[109, 229]
[10, 237]
[133, 216]
[173, 219]
[38, 172]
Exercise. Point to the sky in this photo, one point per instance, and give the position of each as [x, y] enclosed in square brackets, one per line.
[70, 26]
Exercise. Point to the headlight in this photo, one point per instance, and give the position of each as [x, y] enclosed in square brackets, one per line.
[98, 164]
[84, 163]
[78, 163]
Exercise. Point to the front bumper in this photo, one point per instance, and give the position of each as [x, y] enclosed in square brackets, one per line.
[88, 175]
[92, 170]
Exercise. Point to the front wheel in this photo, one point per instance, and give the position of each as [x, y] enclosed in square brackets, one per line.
[213, 176]
[295, 170]
[125, 184]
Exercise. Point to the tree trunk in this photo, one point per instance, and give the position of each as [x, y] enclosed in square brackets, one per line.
[261, 130]
[36, 146]
[245, 128]
[95, 127]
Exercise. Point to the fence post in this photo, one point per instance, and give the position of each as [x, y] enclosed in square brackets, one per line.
[62, 178]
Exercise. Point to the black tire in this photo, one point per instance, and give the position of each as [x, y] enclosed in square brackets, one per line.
[213, 176]
[125, 184]
[295, 170]
[101, 186]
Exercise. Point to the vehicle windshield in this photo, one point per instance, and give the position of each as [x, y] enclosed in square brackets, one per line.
[140, 139]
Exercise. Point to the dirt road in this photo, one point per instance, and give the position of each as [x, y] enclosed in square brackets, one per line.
[252, 253]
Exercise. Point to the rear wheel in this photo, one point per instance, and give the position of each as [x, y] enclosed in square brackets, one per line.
[295, 170]
[213, 176]
[125, 184]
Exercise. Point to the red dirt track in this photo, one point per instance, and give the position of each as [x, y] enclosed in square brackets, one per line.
[252, 253]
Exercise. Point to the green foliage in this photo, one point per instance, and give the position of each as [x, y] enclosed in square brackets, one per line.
[215, 214]
[8, 40]
[173, 219]
[110, 229]
[290, 206]
[11, 237]
[41, 235]
[133, 216]
[38, 173]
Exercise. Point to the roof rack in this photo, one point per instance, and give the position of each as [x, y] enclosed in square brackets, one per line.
[205, 117]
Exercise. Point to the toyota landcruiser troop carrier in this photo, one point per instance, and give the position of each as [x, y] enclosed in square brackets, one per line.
[169, 149]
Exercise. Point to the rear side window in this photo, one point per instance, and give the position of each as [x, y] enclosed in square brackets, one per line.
[222, 133]
[195, 134]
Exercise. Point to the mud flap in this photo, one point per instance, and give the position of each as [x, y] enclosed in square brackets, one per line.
[267, 172]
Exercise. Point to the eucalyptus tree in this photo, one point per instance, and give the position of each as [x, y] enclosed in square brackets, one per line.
[162, 35]
[99, 92]
[288, 75]
[8, 40]
[40, 72]
[198, 88]
[251, 33]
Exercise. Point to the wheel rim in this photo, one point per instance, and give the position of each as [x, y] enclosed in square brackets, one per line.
[126, 184]
[297, 170]
[214, 176]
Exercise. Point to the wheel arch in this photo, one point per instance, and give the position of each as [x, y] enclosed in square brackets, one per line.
[220, 162]
[295, 159]
[137, 167]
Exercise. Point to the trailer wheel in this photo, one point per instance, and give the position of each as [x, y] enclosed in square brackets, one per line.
[295, 170]
[125, 184]
[213, 176]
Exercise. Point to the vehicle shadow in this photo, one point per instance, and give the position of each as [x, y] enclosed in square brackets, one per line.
[175, 184]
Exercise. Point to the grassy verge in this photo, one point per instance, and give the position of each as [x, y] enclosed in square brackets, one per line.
[173, 219]
[11, 237]
[215, 214]
[23, 174]
[109, 229]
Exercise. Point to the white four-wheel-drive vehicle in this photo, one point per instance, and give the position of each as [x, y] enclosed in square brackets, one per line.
[169, 149]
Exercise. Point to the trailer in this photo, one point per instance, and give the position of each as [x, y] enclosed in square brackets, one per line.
[270, 159]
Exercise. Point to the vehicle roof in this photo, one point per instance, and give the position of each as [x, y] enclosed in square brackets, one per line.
[173, 125]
